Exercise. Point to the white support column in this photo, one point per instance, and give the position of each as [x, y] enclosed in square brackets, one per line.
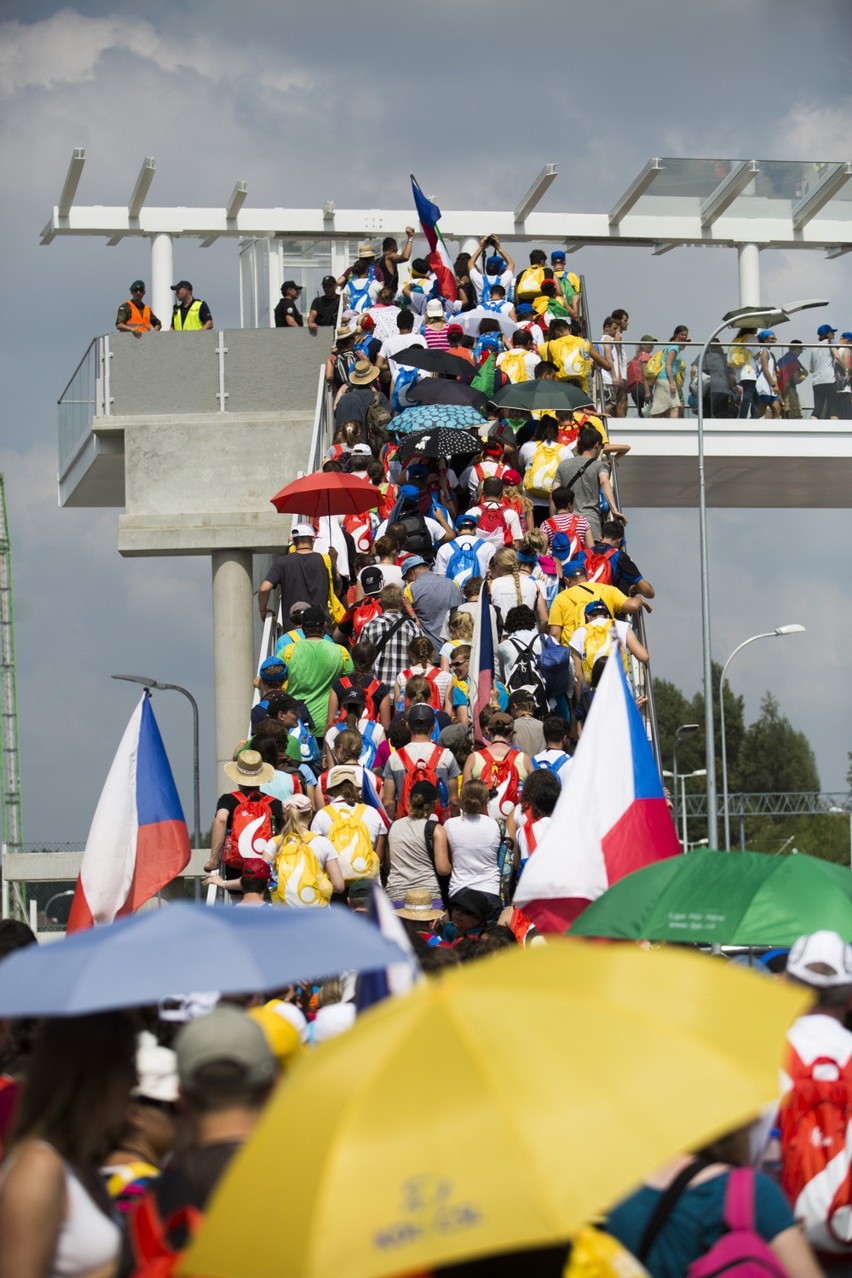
[161, 298]
[233, 652]
[749, 269]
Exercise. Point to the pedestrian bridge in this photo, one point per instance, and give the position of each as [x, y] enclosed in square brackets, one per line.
[191, 436]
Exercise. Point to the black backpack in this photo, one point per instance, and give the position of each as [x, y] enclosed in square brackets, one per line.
[526, 676]
[417, 538]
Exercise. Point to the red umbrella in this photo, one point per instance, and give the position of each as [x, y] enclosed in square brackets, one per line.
[326, 493]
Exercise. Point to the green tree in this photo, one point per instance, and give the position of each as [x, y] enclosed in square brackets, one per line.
[775, 755]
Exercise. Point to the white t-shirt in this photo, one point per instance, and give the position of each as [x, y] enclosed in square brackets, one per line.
[474, 842]
[391, 574]
[477, 279]
[504, 593]
[472, 476]
[821, 365]
[525, 456]
[531, 360]
[400, 342]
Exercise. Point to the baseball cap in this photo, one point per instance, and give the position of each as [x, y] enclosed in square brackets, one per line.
[226, 1034]
[825, 329]
[409, 491]
[420, 716]
[341, 773]
[372, 581]
[137, 284]
[597, 608]
[524, 308]
[156, 1068]
[522, 697]
[329, 279]
[360, 890]
[822, 959]
[558, 255]
[472, 902]
[302, 530]
[465, 519]
[573, 568]
[501, 722]
[272, 670]
[362, 450]
[253, 868]
[512, 477]
[291, 284]
[278, 701]
[412, 562]
[434, 307]
[765, 334]
[181, 284]
[494, 265]
[313, 616]
[454, 328]
[847, 337]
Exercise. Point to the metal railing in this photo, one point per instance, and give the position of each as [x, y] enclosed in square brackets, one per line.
[87, 395]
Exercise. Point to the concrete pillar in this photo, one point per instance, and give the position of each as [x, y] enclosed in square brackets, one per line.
[233, 653]
[749, 271]
[162, 278]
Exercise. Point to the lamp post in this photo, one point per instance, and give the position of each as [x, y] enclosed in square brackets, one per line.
[699, 772]
[748, 317]
[685, 730]
[196, 788]
[778, 632]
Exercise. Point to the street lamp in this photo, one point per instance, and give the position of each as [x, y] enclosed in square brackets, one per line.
[699, 772]
[743, 317]
[196, 789]
[685, 730]
[779, 632]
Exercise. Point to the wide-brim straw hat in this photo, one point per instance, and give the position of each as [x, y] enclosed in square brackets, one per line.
[363, 373]
[249, 767]
[417, 905]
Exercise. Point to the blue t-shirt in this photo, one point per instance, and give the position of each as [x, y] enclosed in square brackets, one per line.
[461, 694]
[695, 1222]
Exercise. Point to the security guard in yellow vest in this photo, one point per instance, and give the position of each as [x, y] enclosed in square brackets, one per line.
[134, 316]
[190, 314]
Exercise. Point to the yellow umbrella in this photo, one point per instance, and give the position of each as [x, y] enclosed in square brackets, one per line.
[494, 1109]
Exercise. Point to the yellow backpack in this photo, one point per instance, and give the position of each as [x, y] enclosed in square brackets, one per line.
[654, 366]
[599, 640]
[529, 284]
[351, 840]
[301, 879]
[514, 365]
[540, 474]
[570, 356]
[595, 1254]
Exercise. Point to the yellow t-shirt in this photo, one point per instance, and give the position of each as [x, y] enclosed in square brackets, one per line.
[568, 607]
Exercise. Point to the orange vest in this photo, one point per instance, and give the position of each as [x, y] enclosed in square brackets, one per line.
[139, 319]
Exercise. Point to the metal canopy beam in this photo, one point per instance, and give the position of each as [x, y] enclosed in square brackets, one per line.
[72, 181]
[808, 207]
[635, 191]
[536, 191]
[142, 187]
[236, 200]
[728, 190]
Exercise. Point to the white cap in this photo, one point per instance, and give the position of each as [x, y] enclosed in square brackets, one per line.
[434, 307]
[822, 960]
[156, 1067]
[302, 530]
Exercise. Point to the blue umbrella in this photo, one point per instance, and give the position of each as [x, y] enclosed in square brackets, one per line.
[429, 416]
[183, 948]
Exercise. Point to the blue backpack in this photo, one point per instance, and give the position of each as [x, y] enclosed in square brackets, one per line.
[307, 743]
[463, 562]
[405, 380]
[555, 768]
[359, 298]
[485, 297]
[556, 667]
[369, 744]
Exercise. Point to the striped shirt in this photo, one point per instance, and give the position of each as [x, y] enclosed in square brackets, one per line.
[561, 522]
[436, 338]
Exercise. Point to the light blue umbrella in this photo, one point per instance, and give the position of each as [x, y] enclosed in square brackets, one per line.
[430, 416]
[183, 948]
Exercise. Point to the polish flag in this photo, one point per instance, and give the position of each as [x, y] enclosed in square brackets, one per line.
[610, 818]
[138, 841]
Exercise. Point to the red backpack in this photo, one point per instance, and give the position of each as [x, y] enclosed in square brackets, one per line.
[503, 781]
[816, 1155]
[417, 770]
[493, 526]
[345, 684]
[365, 611]
[599, 565]
[360, 529]
[148, 1237]
[251, 827]
[390, 493]
[432, 676]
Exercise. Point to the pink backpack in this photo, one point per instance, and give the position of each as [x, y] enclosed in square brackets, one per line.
[740, 1252]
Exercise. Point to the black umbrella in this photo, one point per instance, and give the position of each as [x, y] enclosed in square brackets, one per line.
[441, 441]
[431, 361]
[437, 391]
[561, 396]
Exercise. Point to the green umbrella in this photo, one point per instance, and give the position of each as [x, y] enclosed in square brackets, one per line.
[557, 396]
[724, 898]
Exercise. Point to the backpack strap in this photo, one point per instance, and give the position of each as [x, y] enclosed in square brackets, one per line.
[389, 634]
[664, 1207]
[739, 1199]
[579, 475]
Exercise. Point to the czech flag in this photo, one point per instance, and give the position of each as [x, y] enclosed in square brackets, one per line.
[138, 839]
[439, 259]
[481, 669]
[610, 818]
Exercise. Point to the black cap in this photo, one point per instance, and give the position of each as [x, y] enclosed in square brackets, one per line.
[372, 581]
[291, 284]
[181, 284]
[137, 285]
[420, 716]
[313, 616]
[329, 279]
[472, 902]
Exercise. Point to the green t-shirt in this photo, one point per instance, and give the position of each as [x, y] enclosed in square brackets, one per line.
[313, 667]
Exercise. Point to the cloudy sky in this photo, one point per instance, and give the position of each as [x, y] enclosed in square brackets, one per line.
[308, 103]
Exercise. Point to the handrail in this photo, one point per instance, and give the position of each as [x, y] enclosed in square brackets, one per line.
[92, 343]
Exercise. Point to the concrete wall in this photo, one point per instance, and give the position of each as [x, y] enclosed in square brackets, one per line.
[265, 370]
[194, 484]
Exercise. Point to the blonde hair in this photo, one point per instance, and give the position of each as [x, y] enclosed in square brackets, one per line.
[296, 822]
[514, 493]
[460, 626]
[506, 562]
